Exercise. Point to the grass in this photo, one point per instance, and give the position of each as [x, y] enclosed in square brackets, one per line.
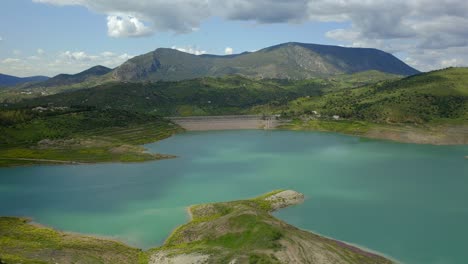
[22, 242]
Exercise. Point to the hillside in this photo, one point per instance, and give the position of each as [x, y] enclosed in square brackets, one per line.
[8, 80]
[202, 96]
[81, 78]
[63, 135]
[428, 108]
[230, 232]
[285, 61]
[422, 98]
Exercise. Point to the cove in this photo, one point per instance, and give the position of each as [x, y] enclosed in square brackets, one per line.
[407, 201]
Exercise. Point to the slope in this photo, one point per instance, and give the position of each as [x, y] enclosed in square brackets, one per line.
[71, 79]
[284, 61]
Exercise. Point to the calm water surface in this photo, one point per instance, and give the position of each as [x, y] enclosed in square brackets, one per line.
[408, 201]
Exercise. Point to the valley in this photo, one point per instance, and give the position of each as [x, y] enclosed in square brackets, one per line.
[168, 129]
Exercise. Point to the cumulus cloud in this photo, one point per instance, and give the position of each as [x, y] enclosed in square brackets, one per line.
[126, 26]
[412, 27]
[40, 51]
[190, 49]
[78, 56]
[228, 51]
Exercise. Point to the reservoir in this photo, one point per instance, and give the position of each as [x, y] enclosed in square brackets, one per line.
[406, 201]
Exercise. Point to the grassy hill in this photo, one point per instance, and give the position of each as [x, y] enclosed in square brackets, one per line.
[286, 61]
[27, 243]
[422, 98]
[428, 108]
[78, 135]
[245, 232]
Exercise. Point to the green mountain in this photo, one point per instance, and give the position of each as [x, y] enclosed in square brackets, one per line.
[71, 79]
[8, 80]
[426, 97]
[285, 61]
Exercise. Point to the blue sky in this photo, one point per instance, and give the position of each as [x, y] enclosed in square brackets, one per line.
[48, 37]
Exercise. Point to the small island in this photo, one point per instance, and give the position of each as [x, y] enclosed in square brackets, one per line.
[241, 231]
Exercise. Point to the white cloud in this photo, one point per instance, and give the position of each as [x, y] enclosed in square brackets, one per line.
[107, 54]
[40, 51]
[78, 56]
[62, 62]
[16, 52]
[189, 49]
[11, 60]
[413, 27]
[228, 51]
[126, 26]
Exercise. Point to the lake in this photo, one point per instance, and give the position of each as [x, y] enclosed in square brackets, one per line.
[407, 201]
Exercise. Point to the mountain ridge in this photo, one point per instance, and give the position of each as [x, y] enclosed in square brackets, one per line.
[70, 79]
[10, 80]
[292, 60]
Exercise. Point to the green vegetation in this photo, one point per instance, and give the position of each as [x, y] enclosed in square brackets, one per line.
[78, 135]
[27, 243]
[245, 232]
[204, 96]
[440, 95]
[425, 108]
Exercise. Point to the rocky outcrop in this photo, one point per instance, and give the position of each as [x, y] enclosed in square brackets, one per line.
[284, 199]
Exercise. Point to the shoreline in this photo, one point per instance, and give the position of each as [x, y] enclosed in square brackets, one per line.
[396, 134]
[443, 135]
[207, 214]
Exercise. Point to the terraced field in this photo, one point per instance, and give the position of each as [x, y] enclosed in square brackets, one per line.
[83, 138]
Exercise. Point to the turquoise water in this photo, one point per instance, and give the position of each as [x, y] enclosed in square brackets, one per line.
[406, 201]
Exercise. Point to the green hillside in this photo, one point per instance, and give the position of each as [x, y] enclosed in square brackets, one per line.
[203, 96]
[78, 135]
[428, 97]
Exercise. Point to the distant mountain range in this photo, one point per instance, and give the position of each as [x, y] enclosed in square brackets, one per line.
[285, 61]
[72, 79]
[294, 61]
[8, 80]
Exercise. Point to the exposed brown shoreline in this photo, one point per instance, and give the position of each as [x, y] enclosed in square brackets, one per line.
[233, 122]
[437, 135]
